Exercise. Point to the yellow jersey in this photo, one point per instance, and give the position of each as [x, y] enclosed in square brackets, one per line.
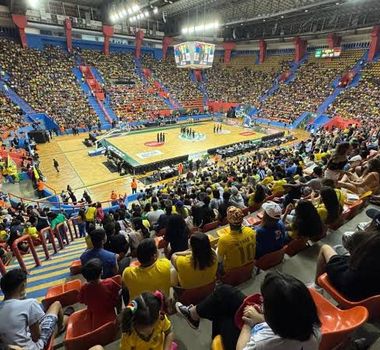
[189, 277]
[3, 235]
[322, 212]
[31, 231]
[148, 279]
[341, 196]
[237, 248]
[267, 180]
[90, 214]
[133, 341]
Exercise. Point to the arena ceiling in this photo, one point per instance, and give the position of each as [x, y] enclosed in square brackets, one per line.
[247, 19]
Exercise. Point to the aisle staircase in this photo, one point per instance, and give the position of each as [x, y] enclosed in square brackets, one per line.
[357, 69]
[52, 272]
[158, 86]
[200, 86]
[105, 120]
[276, 83]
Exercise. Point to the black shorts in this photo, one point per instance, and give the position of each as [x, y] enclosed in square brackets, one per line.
[336, 270]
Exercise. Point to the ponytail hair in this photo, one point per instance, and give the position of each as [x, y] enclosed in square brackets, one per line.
[145, 310]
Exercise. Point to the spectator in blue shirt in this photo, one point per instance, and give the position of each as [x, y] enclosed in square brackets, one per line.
[108, 259]
[291, 169]
[270, 235]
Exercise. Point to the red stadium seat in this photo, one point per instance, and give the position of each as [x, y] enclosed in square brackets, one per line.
[295, 246]
[271, 259]
[80, 334]
[372, 304]
[193, 295]
[66, 294]
[210, 226]
[75, 267]
[238, 275]
[337, 324]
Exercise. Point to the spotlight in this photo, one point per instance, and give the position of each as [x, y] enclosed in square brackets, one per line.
[130, 11]
[155, 10]
[135, 8]
[191, 29]
[146, 13]
[33, 3]
[123, 12]
[132, 19]
[185, 30]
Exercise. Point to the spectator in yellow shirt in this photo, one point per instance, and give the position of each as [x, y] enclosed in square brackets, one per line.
[329, 209]
[152, 274]
[195, 267]
[238, 247]
[32, 232]
[144, 324]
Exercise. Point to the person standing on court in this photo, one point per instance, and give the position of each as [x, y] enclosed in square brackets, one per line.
[134, 186]
[56, 165]
[158, 137]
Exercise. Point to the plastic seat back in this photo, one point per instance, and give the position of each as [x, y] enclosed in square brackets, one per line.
[238, 275]
[217, 343]
[295, 246]
[66, 294]
[271, 259]
[210, 226]
[194, 295]
[80, 334]
[337, 324]
[372, 304]
[76, 267]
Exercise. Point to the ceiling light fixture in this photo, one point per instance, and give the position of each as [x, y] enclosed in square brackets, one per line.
[155, 10]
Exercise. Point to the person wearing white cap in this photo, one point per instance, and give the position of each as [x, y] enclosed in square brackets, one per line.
[270, 235]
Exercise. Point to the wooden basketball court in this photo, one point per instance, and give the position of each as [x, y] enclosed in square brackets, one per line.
[142, 147]
[83, 172]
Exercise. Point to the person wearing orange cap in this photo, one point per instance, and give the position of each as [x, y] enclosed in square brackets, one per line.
[238, 247]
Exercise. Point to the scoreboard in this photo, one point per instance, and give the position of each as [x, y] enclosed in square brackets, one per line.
[328, 53]
[194, 54]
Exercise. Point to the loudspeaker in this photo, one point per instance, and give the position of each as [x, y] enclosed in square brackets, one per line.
[39, 136]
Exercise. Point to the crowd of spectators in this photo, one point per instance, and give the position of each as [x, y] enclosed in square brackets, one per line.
[44, 79]
[131, 100]
[178, 81]
[10, 115]
[367, 104]
[243, 83]
[310, 181]
[312, 85]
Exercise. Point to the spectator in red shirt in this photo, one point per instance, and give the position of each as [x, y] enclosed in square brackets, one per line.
[100, 296]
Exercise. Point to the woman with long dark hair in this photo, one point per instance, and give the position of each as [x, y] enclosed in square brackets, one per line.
[306, 221]
[195, 267]
[177, 234]
[329, 209]
[258, 197]
[289, 319]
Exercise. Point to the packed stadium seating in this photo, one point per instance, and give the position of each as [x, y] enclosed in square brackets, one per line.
[365, 94]
[244, 83]
[267, 170]
[44, 79]
[178, 83]
[10, 115]
[312, 85]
